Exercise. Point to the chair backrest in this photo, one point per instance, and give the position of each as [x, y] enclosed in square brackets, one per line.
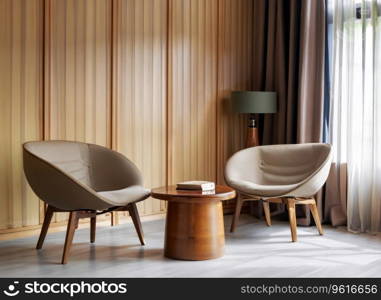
[277, 164]
[68, 174]
[72, 158]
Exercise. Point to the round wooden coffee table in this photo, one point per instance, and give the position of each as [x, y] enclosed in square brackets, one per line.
[194, 227]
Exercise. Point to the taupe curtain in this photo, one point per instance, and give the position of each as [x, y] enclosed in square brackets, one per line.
[289, 40]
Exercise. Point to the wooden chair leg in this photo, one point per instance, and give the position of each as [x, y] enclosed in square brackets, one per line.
[73, 218]
[266, 208]
[45, 226]
[292, 217]
[237, 212]
[315, 215]
[133, 210]
[93, 224]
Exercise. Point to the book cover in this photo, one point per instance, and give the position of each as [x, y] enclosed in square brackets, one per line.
[196, 185]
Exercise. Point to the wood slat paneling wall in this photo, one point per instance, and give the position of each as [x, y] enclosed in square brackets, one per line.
[21, 50]
[139, 89]
[77, 81]
[149, 78]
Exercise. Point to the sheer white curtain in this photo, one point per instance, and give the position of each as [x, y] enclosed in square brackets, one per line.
[355, 115]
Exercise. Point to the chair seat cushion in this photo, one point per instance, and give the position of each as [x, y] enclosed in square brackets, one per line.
[125, 196]
[262, 190]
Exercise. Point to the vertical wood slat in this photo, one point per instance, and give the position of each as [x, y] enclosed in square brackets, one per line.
[169, 106]
[139, 93]
[193, 91]
[21, 105]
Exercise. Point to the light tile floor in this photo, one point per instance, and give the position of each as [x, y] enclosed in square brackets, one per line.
[253, 251]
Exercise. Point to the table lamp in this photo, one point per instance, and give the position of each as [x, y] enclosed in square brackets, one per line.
[251, 102]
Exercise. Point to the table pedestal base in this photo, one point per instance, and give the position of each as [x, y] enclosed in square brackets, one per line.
[194, 231]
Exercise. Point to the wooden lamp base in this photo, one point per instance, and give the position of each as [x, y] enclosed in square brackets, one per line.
[252, 139]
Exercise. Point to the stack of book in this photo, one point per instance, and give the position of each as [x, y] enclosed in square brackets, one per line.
[196, 185]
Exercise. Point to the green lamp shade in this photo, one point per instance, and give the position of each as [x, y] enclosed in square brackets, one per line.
[254, 102]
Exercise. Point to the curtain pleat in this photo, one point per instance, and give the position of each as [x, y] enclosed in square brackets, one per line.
[289, 59]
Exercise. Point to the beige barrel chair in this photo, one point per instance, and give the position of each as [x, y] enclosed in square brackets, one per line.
[289, 174]
[83, 179]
